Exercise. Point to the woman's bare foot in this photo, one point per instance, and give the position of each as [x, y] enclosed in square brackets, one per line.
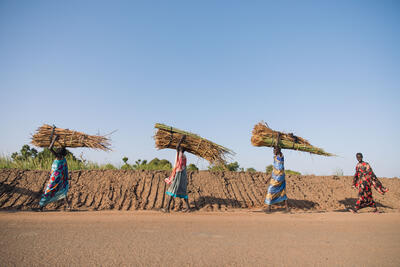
[165, 210]
[352, 210]
[268, 209]
[40, 209]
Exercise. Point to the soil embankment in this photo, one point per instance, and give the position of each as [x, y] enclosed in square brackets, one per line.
[208, 191]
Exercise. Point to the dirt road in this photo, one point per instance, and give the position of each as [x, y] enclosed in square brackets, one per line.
[238, 238]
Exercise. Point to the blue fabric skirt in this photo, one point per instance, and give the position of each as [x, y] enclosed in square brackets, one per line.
[178, 188]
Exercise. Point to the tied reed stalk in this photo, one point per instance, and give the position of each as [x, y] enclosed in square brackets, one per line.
[69, 138]
[169, 137]
[262, 135]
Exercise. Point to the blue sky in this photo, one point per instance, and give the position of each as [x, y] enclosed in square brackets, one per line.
[328, 71]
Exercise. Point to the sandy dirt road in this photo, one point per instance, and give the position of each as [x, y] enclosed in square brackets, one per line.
[239, 238]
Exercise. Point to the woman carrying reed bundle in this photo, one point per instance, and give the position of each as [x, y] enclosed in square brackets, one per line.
[178, 179]
[277, 185]
[58, 184]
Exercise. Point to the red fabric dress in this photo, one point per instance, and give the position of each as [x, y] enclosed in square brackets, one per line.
[363, 180]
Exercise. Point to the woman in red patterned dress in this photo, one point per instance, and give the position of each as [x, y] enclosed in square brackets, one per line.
[364, 179]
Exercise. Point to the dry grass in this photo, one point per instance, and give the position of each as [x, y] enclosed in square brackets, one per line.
[169, 137]
[69, 138]
[262, 135]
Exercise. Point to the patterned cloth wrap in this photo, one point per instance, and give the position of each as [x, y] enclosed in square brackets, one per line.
[178, 178]
[57, 186]
[364, 178]
[277, 186]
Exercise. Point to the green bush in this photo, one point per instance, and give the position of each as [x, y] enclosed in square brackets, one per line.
[269, 169]
[30, 159]
[234, 167]
[192, 167]
[154, 164]
[126, 166]
[108, 166]
[292, 172]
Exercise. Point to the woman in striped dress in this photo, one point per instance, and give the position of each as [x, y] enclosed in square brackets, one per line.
[277, 186]
[178, 179]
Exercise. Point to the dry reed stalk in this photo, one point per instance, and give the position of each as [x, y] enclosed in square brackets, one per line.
[262, 135]
[69, 138]
[169, 137]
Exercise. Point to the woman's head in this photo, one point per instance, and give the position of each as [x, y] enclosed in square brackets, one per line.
[359, 157]
[61, 152]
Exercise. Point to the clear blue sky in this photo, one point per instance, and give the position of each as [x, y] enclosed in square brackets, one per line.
[328, 71]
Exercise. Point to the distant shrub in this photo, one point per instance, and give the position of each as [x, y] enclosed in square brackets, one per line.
[192, 167]
[292, 172]
[250, 170]
[126, 166]
[30, 159]
[269, 169]
[154, 164]
[234, 166]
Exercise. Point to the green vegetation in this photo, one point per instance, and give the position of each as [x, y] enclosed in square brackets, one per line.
[270, 167]
[192, 167]
[155, 164]
[30, 159]
[126, 166]
[234, 166]
[250, 170]
[292, 172]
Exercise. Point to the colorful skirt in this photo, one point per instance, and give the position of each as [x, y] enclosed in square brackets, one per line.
[178, 188]
[57, 187]
[365, 195]
[60, 194]
[277, 186]
[276, 192]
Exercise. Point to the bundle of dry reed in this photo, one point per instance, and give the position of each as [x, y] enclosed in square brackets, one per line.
[169, 137]
[262, 135]
[68, 138]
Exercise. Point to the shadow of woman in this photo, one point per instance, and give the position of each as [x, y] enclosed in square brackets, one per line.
[351, 202]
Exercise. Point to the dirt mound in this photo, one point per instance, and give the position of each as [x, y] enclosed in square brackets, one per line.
[209, 191]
